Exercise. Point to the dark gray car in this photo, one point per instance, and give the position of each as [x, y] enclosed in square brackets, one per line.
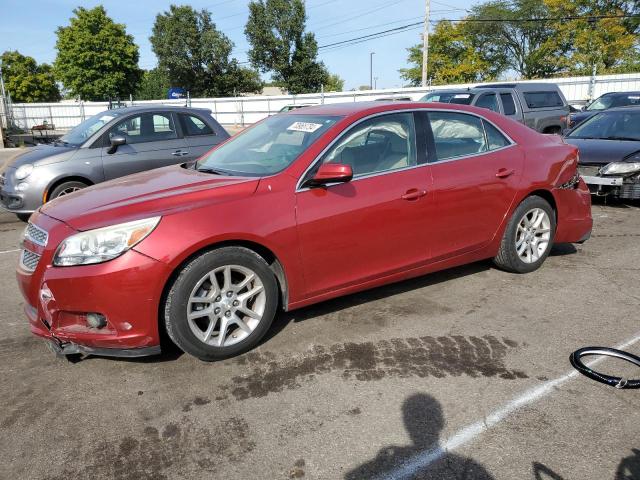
[538, 105]
[108, 145]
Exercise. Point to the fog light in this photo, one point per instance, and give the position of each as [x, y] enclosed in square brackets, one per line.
[96, 320]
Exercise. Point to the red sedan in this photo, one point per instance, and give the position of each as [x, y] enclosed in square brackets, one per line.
[302, 207]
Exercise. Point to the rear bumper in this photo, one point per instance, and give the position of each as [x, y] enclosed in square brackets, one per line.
[574, 222]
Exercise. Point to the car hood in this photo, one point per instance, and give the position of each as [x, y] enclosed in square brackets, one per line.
[44, 155]
[601, 152]
[148, 194]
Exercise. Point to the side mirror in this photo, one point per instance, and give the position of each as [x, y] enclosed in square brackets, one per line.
[116, 142]
[584, 108]
[331, 173]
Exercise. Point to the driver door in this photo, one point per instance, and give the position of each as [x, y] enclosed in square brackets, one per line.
[152, 142]
[374, 225]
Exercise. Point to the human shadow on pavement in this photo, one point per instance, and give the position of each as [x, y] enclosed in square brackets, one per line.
[629, 467]
[424, 421]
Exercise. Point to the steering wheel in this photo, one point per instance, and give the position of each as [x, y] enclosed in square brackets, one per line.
[618, 382]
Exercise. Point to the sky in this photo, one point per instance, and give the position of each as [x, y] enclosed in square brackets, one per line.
[31, 29]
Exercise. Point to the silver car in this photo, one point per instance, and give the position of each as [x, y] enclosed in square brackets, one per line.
[108, 145]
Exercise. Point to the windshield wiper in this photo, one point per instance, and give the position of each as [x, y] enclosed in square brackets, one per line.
[215, 171]
[632, 139]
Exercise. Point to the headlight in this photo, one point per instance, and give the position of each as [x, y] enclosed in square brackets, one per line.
[24, 171]
[620, 168]
[103, 244]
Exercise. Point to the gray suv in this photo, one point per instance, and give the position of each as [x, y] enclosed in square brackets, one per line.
[108, 145]
[541, 106]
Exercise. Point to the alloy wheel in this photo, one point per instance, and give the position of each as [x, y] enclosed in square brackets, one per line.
[226, 305]
[533, 235]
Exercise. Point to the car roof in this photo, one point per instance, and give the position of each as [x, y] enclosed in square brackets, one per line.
[539, 86]
[361, 109]
[155, 108]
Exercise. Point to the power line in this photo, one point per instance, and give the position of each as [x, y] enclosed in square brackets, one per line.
[340, 47]
[539, 19]
[396, 29]
[358, 15]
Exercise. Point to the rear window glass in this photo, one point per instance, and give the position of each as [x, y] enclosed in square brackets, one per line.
[543, 99]
[508, 104]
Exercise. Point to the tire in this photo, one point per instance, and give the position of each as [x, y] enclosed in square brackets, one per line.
[199, 333]
[66, 188]
[524, 248]
[23, 217]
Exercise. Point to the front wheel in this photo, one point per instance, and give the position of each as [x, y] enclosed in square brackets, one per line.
[221, 304]
[66, 188]
[528, 237]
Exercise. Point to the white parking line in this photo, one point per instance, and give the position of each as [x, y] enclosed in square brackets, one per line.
[10, 251]
[470, 432]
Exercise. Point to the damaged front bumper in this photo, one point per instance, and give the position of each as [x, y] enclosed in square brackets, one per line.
[624, 187]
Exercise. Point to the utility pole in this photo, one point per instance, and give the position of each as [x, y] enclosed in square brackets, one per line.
[371, 54]
[425, 44]
[594, 69]
[3, 109]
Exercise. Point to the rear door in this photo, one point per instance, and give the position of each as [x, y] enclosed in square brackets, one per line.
[489, 101]
[510, 106]
[152, 142]
[199, 137]
[476, 171]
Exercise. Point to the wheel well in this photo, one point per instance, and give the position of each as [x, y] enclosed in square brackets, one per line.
[553, 129]
[55, 184]
[548, 196]
[274, 264]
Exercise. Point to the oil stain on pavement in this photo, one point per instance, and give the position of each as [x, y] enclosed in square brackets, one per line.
[427, 356]
[155, 451]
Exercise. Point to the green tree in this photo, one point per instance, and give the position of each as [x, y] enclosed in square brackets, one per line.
[528, 48]
[279, 44]
[27, 81]
[196, 56]
[453, 58]
[611, 44]
[154, 85]
[334, 83]
[96, 58]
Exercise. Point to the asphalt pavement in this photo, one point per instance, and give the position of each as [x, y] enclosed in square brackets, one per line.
[462, 374]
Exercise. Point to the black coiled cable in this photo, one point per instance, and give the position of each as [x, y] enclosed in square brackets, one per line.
[617, 382]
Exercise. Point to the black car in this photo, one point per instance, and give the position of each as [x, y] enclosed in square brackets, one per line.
[604, 102]
[609, 144]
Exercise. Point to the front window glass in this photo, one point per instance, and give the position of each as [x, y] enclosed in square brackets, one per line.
[489, 101]
[148, 127]
[449, 97]
[268, 147]
[377, 145]
[610, 125]
[457, 134]
[82, 132]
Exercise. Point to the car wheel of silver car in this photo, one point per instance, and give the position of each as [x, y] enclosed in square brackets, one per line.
[66, 188]
[221, 304]
[528, 238]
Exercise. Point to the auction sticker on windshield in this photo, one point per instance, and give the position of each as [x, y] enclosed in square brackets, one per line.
[304, 127]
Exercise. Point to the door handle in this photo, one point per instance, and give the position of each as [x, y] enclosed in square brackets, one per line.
[179, 153]
[413, 194]
[505, 172]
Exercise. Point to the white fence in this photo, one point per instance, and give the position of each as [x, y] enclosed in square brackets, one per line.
[247, 110]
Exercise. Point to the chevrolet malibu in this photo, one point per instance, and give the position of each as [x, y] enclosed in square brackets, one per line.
[302, 207]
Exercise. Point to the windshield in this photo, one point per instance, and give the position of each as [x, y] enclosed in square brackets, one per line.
[449, 97]
[268, 147]
[82, 132]
[601, 103]
[610, 125]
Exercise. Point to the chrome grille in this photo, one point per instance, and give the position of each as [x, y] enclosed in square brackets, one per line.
[29, 260]
[36, 235]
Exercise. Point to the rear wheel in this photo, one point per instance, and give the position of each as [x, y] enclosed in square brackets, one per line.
[528, 237]
[66, 188]
[221, 304]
